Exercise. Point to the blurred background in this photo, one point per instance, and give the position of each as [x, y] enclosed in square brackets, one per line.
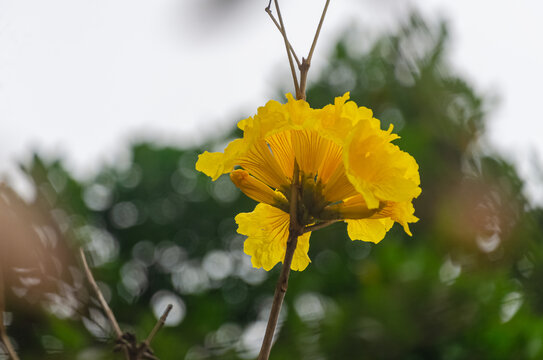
[104, 108]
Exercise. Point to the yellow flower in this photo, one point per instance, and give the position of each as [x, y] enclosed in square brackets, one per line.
[349, 171]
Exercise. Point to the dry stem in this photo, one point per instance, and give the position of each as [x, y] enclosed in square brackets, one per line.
[268, 10]
[101, 298]
[306, 63]
[126, 341]
[103, 303]
[283, 32]
[159, 324]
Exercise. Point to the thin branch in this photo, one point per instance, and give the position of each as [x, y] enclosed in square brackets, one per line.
[282, 284]
[268, 10]
[306, 63]
[284, 33]
[159, 324]
[319, 226]
[317, 33]
[101, 298]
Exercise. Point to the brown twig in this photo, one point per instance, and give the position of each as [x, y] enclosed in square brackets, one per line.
[3, 333]
[103, 303]
[295, 230]
[283, 32]
[159, 324]
[306, 63]
[125, 341]
[101, 298]
[268, 10]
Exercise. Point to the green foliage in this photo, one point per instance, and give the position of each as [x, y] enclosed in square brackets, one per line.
[465, 286]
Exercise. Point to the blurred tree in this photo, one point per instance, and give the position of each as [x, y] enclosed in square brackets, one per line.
[465, 286]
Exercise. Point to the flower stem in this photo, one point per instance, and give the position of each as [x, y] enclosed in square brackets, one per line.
[295, 230]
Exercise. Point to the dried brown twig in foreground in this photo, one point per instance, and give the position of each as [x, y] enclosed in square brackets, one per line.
[126, 341]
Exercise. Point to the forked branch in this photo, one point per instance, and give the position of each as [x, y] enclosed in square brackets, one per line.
[304, 65]
[125, 341]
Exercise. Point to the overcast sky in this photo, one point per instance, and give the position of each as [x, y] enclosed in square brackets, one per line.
[81, 79]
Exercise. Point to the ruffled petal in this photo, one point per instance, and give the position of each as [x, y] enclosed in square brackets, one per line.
[402, 213]
[215, 164]
[375, 165]
[267, 230]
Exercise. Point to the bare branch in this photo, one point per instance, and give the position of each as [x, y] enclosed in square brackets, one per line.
[306, 63]
[101, 298]
[279, 28]
[317, 33]
[159, 324]
[284, 33]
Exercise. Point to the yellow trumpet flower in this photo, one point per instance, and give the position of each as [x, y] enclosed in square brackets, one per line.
[349, 170]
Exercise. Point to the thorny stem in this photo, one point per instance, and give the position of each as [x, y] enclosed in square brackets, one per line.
[3, 333]
[295, 230]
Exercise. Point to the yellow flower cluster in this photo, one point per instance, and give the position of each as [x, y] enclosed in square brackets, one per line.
[349, 170]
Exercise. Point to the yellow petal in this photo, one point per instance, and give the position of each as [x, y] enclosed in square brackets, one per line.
[298, 110]
[338, 187]
[352, 208]
[267, 230]
[211, 164]
[215, 164]
[372, 230]
[402, 213]
[281, 147]
[254, 188]
[261, 163]
[374, 165]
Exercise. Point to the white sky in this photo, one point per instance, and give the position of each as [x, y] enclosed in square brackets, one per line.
[165, 69]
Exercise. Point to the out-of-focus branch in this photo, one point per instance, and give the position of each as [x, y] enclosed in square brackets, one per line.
[103, 303]
[125, 341]
[101, 298]
[159, 324]
[3, 333]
